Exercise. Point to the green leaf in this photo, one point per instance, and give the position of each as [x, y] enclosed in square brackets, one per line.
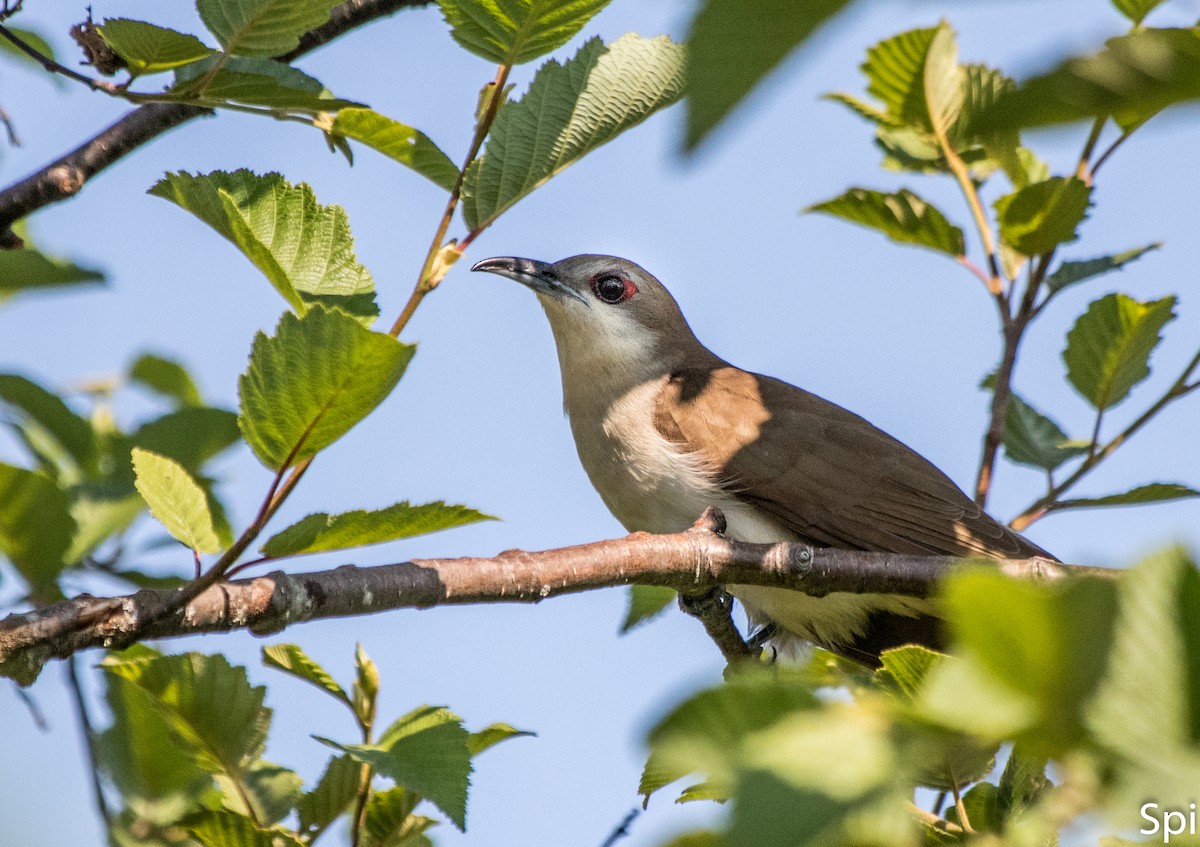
[1022, 782]
[1031, 438]
[1155, 492]
[254, 82]
[101, 510]
[366, 687]
[513, 32]
[734, 45]
[334, 792]
[304, 249]
[1108, 349]
[943, 81]
[1132, 78]
[149, 49]
[902, 217]
[264, 792]
[1046, 643]
[191, 436]
[141, 756]
[48, 411]
[570, 110]
[903, 669]
[704, 732]
[262, 27]
[1136, 10]
[1037, 218]
[426, 751]
[645, 603]
[176, 501]
[35, 526]
[895, 71]
[389, 819]
[312, 381]
[1069, 273]
[222, 828]
[21, 270]
[492, 735]
[210, 705]
[291, 659]
[862, 109]
[166, 377]
[359, 528]
[35, 41]
[399, 142]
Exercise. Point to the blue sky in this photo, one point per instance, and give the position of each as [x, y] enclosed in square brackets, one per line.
[899, 335]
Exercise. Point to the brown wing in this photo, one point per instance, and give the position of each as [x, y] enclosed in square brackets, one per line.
[824, 472]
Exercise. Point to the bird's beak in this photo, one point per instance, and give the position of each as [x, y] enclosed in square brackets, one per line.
[539, 276]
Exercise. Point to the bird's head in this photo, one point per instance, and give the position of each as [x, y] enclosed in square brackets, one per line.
[601, 306]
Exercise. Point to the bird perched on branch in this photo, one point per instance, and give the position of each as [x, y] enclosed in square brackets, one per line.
[665, 428]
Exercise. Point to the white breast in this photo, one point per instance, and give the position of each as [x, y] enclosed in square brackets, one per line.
[649, 483]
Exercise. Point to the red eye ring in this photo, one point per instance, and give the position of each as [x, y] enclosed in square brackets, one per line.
[612, 289]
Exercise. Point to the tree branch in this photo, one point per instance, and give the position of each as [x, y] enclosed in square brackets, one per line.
[65, 177]
[693, 562]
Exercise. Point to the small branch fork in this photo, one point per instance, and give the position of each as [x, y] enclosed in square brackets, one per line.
[66, 176]
[695, 562]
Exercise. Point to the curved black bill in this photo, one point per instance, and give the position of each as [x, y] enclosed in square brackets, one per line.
[540, 276]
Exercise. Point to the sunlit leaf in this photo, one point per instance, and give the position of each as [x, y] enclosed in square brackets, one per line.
[149, 49]
[399, 142]
[176, 500]
[255, 81]
[1136, 10]
[263, 791]
[902, 217]
[359, 528]
[312, 381]
[646, 602]
[36, 526]
[1069, 273]
[389, 820]
[223, 828]
[513, 32]
[895, 71]
[262, 27]
[490, 736]
[291, 659]
[1108, 349]
[334, 792]
[570, 110]
[1155, 492]
[1037, 218]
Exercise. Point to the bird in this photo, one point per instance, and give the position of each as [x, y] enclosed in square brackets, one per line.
[665, 428]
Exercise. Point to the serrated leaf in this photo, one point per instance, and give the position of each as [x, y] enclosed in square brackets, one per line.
[1069, 273]
[942, 79]
[1108, 349]
[262, 27]
[903, 669]
[513, 32]
[334, 792]
[36, 526]
[149, 49]
[492, 735]
[1031, 438]
[389, 819]
[1136, 10]
[1037, 218]
[264, 791]
[902, 217]
[1132, 78]
[141, 756]
[895, 71]
[646, 602]
[1021, 783]
[291, 659]
[22, 270]
[166, 377]
[570, 110]
[735, 44]
[1155, 492]
[312, 381]
[209, 704]
[359, 528]
[399, 142]
[47, 410]
[862, 109]
[426, 751]
[304, 249]
[254, 82]
[223, 828]
[175, 500]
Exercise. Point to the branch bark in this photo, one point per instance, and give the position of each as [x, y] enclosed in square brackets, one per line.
[693, 562]
[66, 176]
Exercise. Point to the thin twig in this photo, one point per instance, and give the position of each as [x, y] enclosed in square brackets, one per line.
[10, 130]
[54, 67]
[88, 732]
[35, 711]
[622, 829]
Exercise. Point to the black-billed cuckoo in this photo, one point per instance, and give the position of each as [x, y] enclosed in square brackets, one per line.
[665, 428]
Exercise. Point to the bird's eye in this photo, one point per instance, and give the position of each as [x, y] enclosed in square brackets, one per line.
[613, 289]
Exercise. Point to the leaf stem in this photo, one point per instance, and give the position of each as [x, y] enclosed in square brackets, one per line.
[1082, 171]
[431, 273]
[1042, 505]
[54, 67]
[963, 175]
